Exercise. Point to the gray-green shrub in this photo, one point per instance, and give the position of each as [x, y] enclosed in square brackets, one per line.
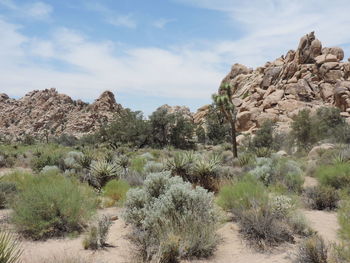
[52, 206]
[168, 208]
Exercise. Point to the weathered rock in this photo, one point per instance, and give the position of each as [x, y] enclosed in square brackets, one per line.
[41, 111]
[310, 77]
[326, 58]
[336, 51]
[318, 150]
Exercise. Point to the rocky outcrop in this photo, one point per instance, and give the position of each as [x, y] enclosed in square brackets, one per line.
[309, 77]
[47, 111]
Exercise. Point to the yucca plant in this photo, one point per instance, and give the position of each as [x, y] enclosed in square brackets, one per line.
[244, 159]
[204, 172]
[84, 161]
[262, 152]
[10, 251]
[180, 164]
[104, 171]
[124, 162]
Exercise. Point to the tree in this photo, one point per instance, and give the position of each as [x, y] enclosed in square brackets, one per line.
[129, 127]
[218, 130]
[223, 101]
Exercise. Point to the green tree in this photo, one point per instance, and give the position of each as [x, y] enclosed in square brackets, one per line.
[223, 101]
[128, 128]
[218, 130]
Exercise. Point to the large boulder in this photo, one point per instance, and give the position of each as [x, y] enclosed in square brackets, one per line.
[317, 151]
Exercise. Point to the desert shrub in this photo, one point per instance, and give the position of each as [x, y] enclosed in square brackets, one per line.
[138, 163]
[46, 158]
[344, 220]
[327, 123]
[10, 250]
[264, 219]
[66, 140]
[6, 160]
[171, 218]
[153, 167]
[279, 171]
[337, 175]
[322, 197]
[264, 227]
[7, 193]
[49, 170]
[116, 191]
[103, 171]
[264, 136]
[52, 206]
[242, 195]
[96, 235]
[19, 178]
[312, 250]
[134, 178]
[302, 130]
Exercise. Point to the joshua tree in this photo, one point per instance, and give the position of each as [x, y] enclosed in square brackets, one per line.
[223, 101]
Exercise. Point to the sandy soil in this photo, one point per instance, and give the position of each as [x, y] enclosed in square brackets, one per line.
[231, 249]
[325, 223]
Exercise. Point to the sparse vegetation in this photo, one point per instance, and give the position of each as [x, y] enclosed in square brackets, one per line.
[52, 206]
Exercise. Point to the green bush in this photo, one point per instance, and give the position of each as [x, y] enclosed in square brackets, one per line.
[116, 190]
[172, 219]
[138, 164]
[322, 197]
[312, 250]
[265, 219]
[10, 250]
[97, 234]
[264, 136]
[344, 220]
[337, 175]
[7, 193]
[53, 206]
[49, 156]
[242, 195]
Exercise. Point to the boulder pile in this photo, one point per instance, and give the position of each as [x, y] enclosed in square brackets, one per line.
[48, 112]
[309, 77]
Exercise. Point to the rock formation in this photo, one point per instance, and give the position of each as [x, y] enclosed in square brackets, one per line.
[309, 77]
[47, 111]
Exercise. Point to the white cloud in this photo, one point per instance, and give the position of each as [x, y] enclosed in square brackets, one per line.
[122, 20]
[35, 10]
[39, 10]
[272, 27]
[86, 68]
[112, 17]
[162, 22]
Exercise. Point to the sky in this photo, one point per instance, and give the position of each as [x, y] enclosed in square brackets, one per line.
[153, 52]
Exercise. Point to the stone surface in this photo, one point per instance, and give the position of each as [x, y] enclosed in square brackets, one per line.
[47, 111]
[307, 78]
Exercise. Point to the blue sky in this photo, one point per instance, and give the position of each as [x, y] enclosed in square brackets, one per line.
[151, 52]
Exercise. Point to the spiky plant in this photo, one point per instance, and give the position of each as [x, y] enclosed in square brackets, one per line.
[204, 172]
[124, 162]
[10, 251]
[262, 152]
[84, 161]
[180, 164]
[104, 171]
[244, 159]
